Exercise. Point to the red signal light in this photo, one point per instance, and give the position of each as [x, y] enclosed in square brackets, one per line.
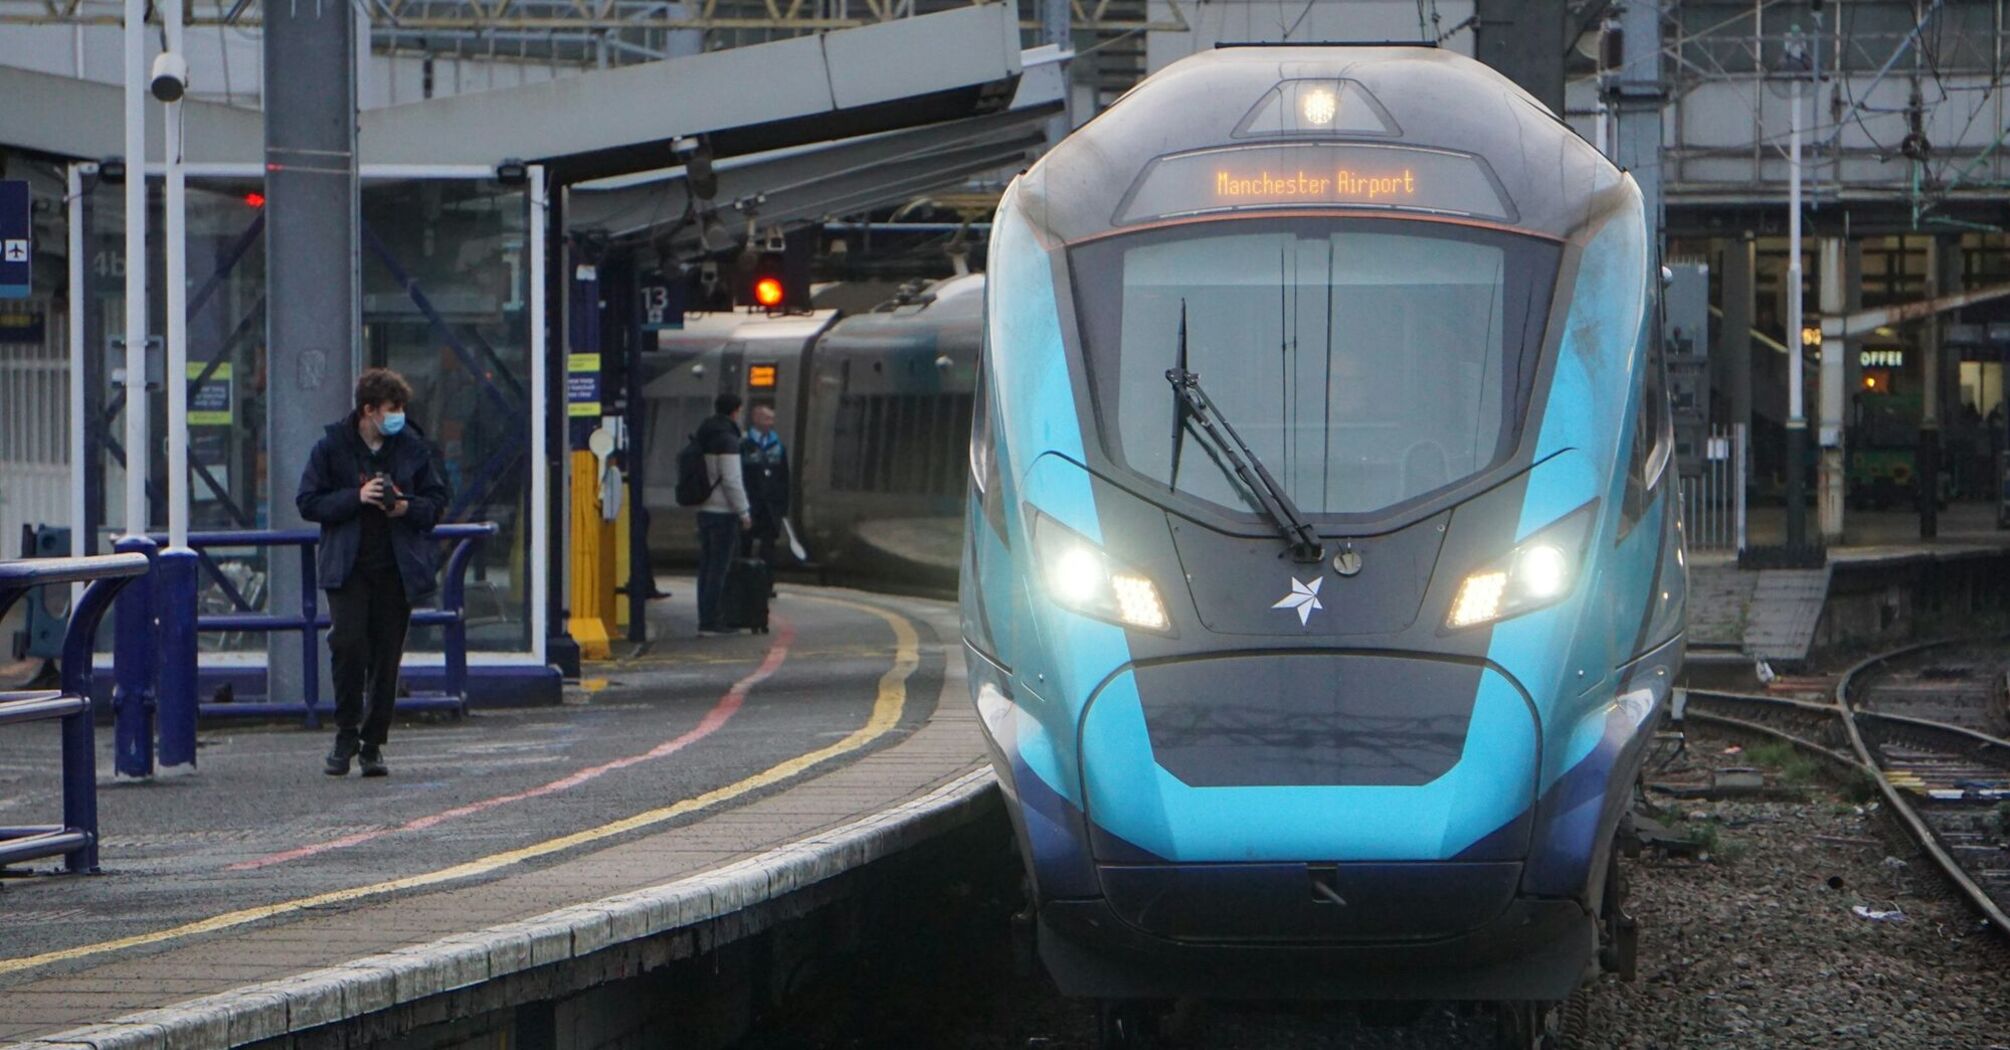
[255, 200]
[768, 292]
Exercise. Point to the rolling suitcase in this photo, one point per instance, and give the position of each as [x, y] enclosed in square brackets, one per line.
[744, 605]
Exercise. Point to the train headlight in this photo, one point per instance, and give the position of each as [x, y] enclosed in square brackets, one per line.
[1079, 576]
[1540, 571]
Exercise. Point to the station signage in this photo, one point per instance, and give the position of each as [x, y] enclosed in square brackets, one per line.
[17, 239]
[659, 302]
[24, 323]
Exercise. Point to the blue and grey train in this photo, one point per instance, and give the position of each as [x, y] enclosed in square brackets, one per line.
[1322, 585]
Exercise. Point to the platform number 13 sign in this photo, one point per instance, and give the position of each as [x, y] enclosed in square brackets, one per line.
[659, 300]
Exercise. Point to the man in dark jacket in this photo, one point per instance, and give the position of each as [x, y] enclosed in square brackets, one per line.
[373, 487]
[766, 467]
[724, 513]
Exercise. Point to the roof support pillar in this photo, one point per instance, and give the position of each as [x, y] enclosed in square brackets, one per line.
[1834, 483]
[1638, 97]
[311, 275]
[1524, 40]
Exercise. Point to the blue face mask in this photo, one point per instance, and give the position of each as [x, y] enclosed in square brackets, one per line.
[392, 423]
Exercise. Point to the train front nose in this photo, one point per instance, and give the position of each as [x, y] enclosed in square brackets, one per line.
[1313, 796]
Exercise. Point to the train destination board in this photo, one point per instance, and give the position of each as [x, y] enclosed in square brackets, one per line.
[1316, 175]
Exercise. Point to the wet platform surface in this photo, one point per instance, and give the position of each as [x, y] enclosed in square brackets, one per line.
[680, 759]
[1774, 614]
[1964, 529]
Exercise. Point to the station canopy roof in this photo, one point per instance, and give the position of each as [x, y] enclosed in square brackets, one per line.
[870, 80]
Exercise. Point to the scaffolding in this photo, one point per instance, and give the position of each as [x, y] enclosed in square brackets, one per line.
[1908, 108]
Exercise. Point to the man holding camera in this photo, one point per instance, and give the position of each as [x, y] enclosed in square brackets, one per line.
[372, 485]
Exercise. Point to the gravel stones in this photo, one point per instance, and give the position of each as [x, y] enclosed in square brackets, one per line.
[1754, 949]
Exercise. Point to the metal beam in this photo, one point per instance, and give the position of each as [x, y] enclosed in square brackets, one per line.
[473, 17]
[1865, 321]
[803, 185]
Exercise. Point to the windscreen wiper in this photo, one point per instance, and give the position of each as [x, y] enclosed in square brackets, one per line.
[1193, 407]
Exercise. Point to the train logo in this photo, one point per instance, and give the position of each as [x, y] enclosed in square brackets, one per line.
[1303, 599]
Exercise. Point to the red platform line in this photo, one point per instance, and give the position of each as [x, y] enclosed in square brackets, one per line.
[719, 715]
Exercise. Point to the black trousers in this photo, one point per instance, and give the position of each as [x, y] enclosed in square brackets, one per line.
[367, 616]
[718, 537]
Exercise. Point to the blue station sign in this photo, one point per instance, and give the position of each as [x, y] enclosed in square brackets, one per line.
[17, 240]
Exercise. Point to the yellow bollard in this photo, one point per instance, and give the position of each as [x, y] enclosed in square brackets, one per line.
[592, 585]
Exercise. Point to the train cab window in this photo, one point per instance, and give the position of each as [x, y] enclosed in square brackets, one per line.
[1368, 363]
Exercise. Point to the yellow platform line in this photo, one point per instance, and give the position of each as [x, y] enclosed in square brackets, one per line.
[885, 716]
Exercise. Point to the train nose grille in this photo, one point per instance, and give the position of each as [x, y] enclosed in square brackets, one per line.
[1308, 720]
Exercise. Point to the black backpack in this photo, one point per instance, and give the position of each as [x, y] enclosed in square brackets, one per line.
[694, 483]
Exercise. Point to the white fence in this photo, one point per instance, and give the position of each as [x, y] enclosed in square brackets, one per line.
[1713, 500]
[34, 426]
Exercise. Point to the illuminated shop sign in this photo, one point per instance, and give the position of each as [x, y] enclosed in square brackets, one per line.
[1881, 358]
[1317, 176]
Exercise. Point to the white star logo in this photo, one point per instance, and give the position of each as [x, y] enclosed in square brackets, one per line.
[1304, 599]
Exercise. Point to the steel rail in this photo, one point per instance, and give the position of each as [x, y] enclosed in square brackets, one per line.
[1779, 734]
[1922, 832]
[1867, 762]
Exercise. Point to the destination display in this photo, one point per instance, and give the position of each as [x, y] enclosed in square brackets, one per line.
[1315, 175]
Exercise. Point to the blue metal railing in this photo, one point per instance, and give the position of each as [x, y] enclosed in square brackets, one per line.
[450, 614]
[76, 839]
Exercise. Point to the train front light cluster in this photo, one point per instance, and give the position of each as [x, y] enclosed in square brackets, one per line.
[1079, 576]
[1540, 571]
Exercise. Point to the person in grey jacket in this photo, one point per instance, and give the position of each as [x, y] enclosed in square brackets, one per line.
[725, 511]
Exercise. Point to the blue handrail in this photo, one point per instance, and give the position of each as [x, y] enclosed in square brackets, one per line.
[77, 837]
[451, 613]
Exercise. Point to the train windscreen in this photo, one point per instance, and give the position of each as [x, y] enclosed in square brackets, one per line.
[1366, 363]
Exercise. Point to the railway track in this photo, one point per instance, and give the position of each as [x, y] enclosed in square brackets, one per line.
[1945, 778]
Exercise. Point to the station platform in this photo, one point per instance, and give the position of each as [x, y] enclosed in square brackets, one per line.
[1870, 589]
[260, 897]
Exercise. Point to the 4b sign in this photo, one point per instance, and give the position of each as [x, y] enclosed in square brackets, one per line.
[17, 246]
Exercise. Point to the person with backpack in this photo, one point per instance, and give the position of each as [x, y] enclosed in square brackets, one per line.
[709, 477]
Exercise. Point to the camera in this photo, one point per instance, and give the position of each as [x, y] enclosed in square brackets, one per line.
[391, 495]
[170, 77]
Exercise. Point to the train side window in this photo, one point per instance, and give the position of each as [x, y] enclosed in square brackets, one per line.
[1653, 431]
[984, 454]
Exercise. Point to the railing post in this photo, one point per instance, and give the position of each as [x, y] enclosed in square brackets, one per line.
[310, 636]
[133, 697]
[176, 570]
[80, 744]
[454, 640]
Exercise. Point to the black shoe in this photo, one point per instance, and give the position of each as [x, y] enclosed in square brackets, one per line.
[337, 764]
[373, 762]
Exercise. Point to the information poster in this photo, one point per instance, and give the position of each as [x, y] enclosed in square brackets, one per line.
[210, 403]
[582, 385]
